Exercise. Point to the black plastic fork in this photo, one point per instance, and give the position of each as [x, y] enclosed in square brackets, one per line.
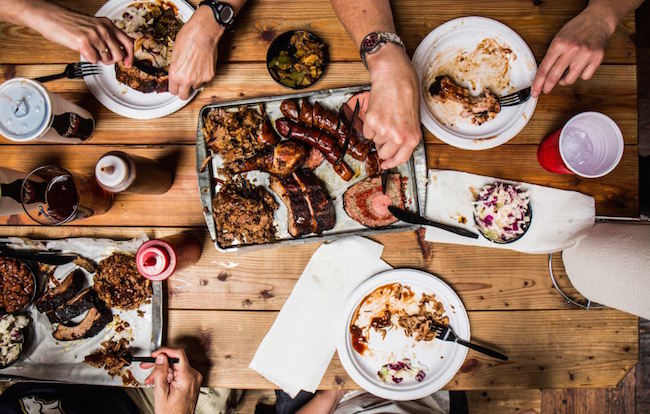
[445, 333]
[515, 98]
[72, 71]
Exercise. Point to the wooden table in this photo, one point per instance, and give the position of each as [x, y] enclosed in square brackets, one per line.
[220, 309]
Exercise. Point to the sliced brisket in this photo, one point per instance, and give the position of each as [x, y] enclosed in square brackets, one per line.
[95, 320]
[62, 293]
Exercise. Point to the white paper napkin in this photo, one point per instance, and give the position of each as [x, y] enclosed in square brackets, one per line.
[297, 350]
[559, 217]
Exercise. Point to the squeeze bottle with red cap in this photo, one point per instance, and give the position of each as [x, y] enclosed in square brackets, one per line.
[159, 258]
[117, 171]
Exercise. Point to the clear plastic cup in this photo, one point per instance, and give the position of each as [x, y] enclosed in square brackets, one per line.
[591, 144]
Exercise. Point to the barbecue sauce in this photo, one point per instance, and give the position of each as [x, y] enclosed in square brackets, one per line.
[358, 341]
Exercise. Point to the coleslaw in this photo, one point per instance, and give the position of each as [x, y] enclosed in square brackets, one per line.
[502, 212]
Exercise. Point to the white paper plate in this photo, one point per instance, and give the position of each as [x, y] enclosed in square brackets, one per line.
[442, 359]
[465, 33]
[123, 100]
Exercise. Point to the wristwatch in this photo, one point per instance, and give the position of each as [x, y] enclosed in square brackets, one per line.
[223, 12]
[375, 40]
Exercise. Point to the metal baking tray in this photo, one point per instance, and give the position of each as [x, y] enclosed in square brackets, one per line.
[415, 171]
[82, 374]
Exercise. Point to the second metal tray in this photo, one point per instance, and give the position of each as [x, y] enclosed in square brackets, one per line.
[415, 171]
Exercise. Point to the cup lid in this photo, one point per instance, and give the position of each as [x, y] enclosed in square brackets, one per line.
[112, 171]
[25, 109]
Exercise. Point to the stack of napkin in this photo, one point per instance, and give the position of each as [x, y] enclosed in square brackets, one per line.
[559, 217]
[297, 350]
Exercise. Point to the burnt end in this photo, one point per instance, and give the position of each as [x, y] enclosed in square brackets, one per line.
[83, 301]
[140, 81]
[435, 88]
[59, 295]
[283, 126]
[300, 221]
[96, 319]
[289, 109]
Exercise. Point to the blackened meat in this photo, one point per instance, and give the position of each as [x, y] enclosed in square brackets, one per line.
[95, 320]
[62, 293]
[309, 207]
[79, 304]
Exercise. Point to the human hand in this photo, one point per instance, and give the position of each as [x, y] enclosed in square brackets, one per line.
[96, 38]
[392, 120]
[577, 49]
[177, 386]
[195, 53]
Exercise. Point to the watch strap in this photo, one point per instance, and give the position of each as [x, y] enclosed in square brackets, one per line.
[216, 7]
[382, 38]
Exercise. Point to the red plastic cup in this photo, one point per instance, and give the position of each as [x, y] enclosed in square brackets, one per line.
[548, 154]
[589, 145]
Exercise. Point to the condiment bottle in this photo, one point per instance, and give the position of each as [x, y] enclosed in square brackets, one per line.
[118, 172]
[159, 258]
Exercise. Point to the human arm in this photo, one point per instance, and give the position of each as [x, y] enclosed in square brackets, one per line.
[579, 47]
[324, 402]
[177, 386]
[96, 38]
[392, 120]
[194, 57]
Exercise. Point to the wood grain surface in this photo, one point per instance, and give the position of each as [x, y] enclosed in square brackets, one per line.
[221, 308]
[547, 349]
[262, 20]
[612, 91]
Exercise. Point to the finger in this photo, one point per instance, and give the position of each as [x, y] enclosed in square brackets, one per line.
[557, 72]
[174, 353]
[104, 52]
[575, 69]
[544, 68]
[387, 151]
[127, 46]
[90, 54]
[117, 54]
[590, 70]
[173, 86]
[402, 155]
[184, 91]
[159, 374]
[146, 365]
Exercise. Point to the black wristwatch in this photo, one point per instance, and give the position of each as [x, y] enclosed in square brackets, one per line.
[223, 12]
[375, 40]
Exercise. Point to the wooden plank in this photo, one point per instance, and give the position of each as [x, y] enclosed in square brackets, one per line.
[504, 401]
[622, 399]
[547, 349]
[616, 193]
[264, 279]
[611, 91]
[261, 21]
[643, 368]
[180, 206]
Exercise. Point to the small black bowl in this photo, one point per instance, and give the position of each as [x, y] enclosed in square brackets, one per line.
[29, 333]
[282, 43]
[39, 283]
[528, 213]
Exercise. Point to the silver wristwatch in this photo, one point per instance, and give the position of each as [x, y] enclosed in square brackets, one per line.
[375, 40]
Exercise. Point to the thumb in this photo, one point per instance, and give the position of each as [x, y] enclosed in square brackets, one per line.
[159, 374]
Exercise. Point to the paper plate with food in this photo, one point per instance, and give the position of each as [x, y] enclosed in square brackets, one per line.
[387, 343]
[464, 66]
[140, 91]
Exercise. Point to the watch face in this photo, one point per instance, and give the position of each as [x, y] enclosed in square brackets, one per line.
[370, 42]
[226, 14]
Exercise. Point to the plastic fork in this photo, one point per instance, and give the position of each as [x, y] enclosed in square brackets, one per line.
[515, 98]
[445, 333]
[73, 71]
